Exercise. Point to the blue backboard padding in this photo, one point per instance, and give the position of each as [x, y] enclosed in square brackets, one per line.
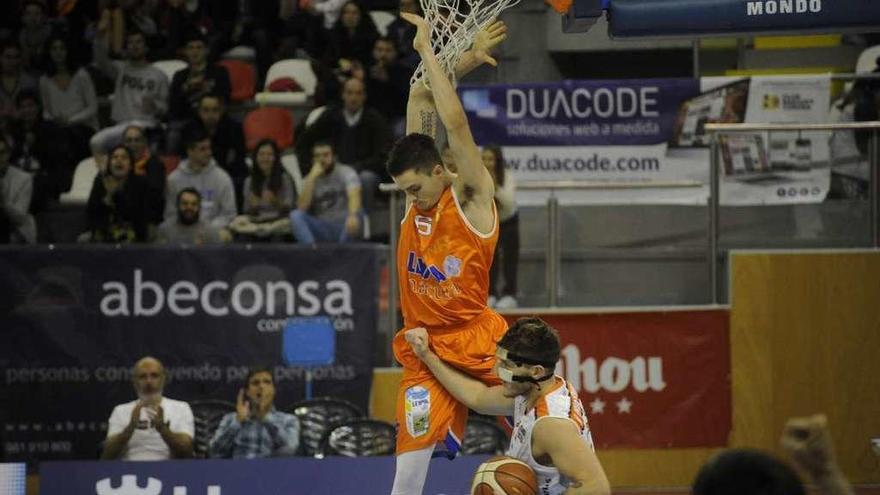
[308, 341]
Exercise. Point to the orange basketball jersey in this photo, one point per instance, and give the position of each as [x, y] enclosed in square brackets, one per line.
[444, 265]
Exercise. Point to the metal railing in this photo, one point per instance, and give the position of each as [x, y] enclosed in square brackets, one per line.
[714, 177]
[553, 251]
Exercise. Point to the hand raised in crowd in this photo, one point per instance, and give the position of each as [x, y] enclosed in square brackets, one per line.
[242, 407]
[808, 442]
[317, 169]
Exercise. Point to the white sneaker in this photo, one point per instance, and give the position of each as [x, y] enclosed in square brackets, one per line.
[492, 301]
[506, 302]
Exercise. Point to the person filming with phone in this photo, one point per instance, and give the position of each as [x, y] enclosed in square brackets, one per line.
[256, 428]
[153, 427]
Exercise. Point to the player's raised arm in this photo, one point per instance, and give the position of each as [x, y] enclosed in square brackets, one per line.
[421, 115]
[474, 177]
[485, 42]
[560, 440]
[469, 391]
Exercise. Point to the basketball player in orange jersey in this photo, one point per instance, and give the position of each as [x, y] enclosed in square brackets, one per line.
[551, 433]
[447, 240]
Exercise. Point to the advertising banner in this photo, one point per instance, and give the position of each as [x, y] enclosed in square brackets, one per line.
[644, 141]
[652, 379]
[604, 131]
[302, 476]
[74, 320]
[688, 18]
[780, 167]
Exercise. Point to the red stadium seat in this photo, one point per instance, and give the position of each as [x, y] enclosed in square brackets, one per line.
[243, 78]
[268, 122]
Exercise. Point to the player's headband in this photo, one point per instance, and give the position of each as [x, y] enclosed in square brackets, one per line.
[507, 375]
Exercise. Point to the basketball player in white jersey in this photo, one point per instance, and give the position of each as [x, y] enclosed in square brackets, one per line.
[551, 433]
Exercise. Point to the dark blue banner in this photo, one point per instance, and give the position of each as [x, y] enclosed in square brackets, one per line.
[73, 320]
[646, 18]
[576, 113]
[297, 476]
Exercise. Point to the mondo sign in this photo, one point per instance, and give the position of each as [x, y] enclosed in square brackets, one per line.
[646, 18]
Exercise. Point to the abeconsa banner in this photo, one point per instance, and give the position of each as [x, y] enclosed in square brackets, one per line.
[73, 320]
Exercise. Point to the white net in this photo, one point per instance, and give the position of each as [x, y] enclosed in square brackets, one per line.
[454, 24]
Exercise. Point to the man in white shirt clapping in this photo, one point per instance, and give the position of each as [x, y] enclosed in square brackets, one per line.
[151, 428]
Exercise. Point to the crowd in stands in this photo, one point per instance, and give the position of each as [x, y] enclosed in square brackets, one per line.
[79, 81]
[155, 427]
[173, 158]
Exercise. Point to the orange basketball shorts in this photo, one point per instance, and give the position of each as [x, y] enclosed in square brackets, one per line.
[426, 413]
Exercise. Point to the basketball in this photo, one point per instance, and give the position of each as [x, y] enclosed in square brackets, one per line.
[503, 475]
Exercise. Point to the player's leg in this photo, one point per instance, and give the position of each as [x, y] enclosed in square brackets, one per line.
[428, 419]
[411, 471]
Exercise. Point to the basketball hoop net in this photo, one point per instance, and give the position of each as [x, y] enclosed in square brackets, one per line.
[454, 24]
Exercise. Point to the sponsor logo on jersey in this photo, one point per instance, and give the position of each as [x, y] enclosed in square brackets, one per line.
[415, 264]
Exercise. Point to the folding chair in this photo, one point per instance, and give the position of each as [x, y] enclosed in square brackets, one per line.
[484, 436]
[207, 415]
[318, 416]
[359, 438]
